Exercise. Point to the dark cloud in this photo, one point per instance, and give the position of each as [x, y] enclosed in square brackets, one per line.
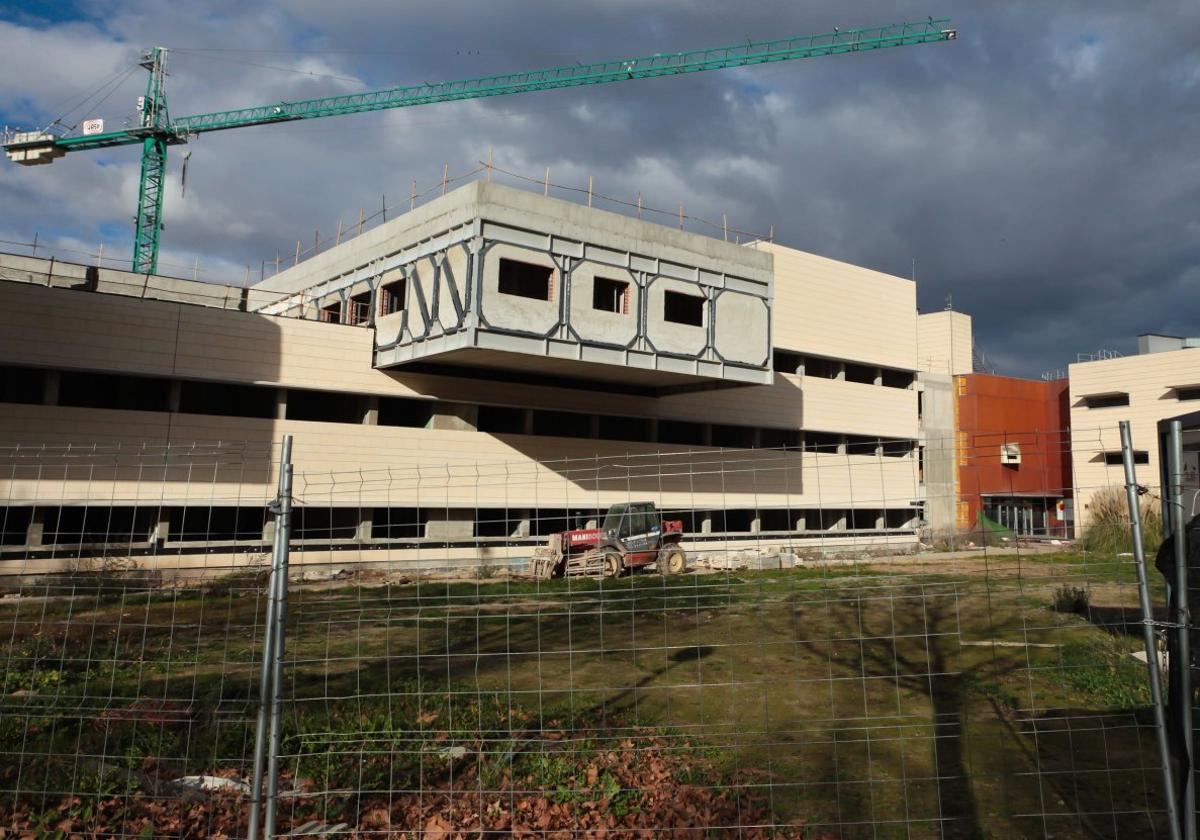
[1041, 169]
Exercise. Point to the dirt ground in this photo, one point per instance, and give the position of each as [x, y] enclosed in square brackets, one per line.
[922, 696]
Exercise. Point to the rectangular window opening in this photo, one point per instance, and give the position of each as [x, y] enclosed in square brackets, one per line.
[331, 313]
[681, 432]
[679, 308]
[360, 309]
[392, 297]
[776, 519]
[397, 411]
[325, 406]
[1106, 400]
[897, 378]
[785, 362]
[859, 445]
[21, 385]
[732, 437]
[624, 428]
[226, 400]
[14, 524]
[1113, 459]
[525, 280]
[779, 438]
[501, 420]
[820, 368]
[860, 373]
[562, 424]
[610, 295]
[396, 523]
[864, 519]
[821, 442]
[322, 523]
[104, 390]
[216, 524]
[1192, 393]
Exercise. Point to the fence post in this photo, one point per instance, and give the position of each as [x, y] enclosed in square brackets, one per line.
[1139, 556]
[1174, 521]
[284, 529]
[269, 695]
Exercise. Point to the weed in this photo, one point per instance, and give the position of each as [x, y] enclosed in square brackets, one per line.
[1106, 674]
[1071, 599]
[1108, 529]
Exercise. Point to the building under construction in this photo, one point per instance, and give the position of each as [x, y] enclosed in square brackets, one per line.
[461, 381]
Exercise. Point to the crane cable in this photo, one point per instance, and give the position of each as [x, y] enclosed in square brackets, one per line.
[112, 83]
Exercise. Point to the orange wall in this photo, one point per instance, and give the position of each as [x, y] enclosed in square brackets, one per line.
[993, 410]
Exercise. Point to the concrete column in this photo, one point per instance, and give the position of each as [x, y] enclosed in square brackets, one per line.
[366, 522]
[162, 528]
[454, 416]
[50, 385]
[174, 393]
[841, 447]
[281, 404]
[881, 521]
[799, 365]
[706, 524]
[268, 535]
[841, 372]
[801, 522]
[756, 525]
[878, 376]
[371, 417]
[37, 527]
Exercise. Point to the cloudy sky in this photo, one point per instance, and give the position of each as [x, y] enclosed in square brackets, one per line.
[1043, 169]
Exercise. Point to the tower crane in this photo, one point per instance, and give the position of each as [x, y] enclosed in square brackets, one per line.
[157, 130]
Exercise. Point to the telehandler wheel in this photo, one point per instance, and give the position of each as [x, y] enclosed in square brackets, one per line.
[613, 565]
[672, 561]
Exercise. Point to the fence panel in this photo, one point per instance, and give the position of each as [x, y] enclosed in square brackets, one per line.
[823, 667]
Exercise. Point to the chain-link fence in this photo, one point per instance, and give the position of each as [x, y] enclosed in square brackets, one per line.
[457, 653]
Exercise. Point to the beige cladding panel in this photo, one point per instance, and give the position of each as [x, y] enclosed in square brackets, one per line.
[945, 343]
[348, 465]
[244, 347]
[1150, 381]
[841, 311]
[78, 329]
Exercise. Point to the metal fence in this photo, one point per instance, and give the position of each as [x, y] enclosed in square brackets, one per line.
[191, 672]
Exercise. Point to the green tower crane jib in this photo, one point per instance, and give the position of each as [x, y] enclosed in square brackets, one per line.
[157, 130]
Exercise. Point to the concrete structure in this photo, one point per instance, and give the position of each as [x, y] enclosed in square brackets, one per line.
[437, 421]
[1162, 381]
[502, 279]
[1014, 466]
[944, 341]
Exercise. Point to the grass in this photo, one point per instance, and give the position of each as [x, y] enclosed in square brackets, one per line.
[867, 698]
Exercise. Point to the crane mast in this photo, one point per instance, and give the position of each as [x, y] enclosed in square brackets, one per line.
[156, 130]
